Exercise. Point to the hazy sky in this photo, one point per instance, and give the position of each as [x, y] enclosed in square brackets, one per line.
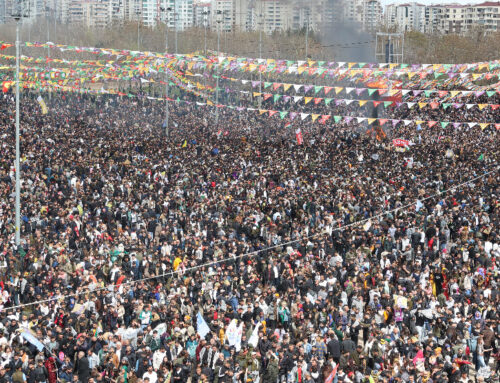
[385, 2]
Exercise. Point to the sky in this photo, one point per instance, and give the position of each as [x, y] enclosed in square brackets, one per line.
[385, 2]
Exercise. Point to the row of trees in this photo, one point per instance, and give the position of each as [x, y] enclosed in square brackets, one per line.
[419, 48]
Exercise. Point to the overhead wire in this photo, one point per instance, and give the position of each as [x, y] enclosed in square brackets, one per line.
[249, 254]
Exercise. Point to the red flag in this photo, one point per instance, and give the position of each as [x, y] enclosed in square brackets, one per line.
[332, 374]
[324, 118]
[400, 142]
[298, 136]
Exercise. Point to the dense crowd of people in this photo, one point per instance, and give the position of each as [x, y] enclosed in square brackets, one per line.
[229, 253]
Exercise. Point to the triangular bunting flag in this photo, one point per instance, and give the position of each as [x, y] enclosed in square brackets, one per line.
[307, 100]
[317, 101]
[444, 124]
[327, 89]
[483, 125]
[337, 119]
[303, 116]
[315, 116]
[283, 115]
[362, 102]
[431, 123]
[276, 97]
[371, 120]
[328, 100]
[276, 85]
[272, 112]
[286, 86]
[324, 118]
[338, 89]
[317, 89]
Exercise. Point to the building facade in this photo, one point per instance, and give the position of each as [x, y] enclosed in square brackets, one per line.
[445, 18]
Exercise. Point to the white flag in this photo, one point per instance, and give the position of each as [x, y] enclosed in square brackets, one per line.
[202, 327]
[254, 339]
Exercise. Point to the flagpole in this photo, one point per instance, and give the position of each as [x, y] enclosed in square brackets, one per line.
[17, 164]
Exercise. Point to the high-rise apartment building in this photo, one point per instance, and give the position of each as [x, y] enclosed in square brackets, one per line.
[444, 18]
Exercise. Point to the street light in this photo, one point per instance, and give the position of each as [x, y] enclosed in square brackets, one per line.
[217, 78]
[17, 165]
[205, 22]
[138, 13]
[166, 10]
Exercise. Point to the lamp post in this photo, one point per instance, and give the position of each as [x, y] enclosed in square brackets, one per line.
[307, 38]
[138, 14]
[217, 79]
[260, 58]
[166, 10]
[17, 163]
[205, 22]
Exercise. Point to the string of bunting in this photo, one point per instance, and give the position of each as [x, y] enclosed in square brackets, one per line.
[320, 118]
[318, 100]
[479, 66]
[289, 66]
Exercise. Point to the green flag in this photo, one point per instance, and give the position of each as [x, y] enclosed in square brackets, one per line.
[481, 157]
[444, 124]
[276, 97]
[283, 115]
[337, 119]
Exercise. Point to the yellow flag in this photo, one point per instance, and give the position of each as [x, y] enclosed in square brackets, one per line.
[482, 106]
[42, 105]
[184, 144]
[371, 120]
[422, 105]
[338, 89]
[307, 100]
[484, 125]
[314, 116]
[287, 86]
[362, 102]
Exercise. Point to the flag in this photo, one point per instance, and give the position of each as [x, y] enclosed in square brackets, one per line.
[201, 326]
[184, 144]
[400, 142]
[254, 339]
[288, 124]
[42, 105]
[332, 374]
[298, 136]
[481, 157]
[234, 334]
[28, 335]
